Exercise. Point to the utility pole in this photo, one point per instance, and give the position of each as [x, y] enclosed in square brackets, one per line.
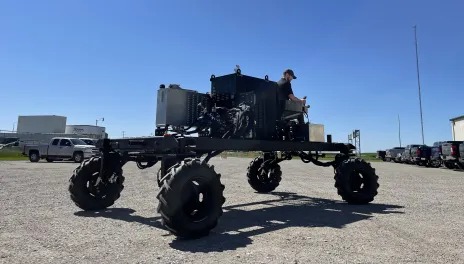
[418, 83]
[123, 133]
[399, 129]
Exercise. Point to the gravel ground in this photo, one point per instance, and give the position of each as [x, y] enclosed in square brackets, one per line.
[417, 217]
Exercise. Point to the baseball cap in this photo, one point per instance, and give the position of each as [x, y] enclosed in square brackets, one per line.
[290, 72]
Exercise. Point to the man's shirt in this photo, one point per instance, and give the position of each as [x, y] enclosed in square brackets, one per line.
[285, 89]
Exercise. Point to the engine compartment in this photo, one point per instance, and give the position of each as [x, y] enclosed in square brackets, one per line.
[237, 106]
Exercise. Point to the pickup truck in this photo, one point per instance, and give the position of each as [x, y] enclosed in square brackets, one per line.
[60, 148]
[89, 141]
[420, 155]
[461, 156]
[381, 154]
[450, 154]
[435, 155]
[407, 153]
[392, 154]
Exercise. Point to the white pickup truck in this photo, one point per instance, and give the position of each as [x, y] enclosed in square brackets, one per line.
[60, 148]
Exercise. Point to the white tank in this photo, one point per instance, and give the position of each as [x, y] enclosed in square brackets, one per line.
[86, 130]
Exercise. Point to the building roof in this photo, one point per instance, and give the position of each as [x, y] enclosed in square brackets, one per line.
[85, 125]
[457, 118]
[41, 116]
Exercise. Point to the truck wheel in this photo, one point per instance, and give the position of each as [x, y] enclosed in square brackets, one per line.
[448, 165]
[34, 156]
[460, 165]
[88, 192]
[48, 160]
[356, 181]
[191, 199]
[435, 163]
[266, 179]
[78, 157]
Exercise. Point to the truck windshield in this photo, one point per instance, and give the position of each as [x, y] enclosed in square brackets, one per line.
[88, 141]
[76, 141]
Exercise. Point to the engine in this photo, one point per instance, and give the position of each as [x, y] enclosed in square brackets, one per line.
[237, 106]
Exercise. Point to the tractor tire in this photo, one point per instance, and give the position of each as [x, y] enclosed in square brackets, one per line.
[191, 199]
[266, 181]
[158, 178]
[348, 181]
[94, 198]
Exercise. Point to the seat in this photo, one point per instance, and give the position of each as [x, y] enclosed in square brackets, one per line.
[290, 110]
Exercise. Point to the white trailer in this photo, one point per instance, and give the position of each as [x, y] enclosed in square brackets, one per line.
[41, 124]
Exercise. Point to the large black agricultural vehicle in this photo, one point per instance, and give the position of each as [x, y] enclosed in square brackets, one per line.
[241, 113]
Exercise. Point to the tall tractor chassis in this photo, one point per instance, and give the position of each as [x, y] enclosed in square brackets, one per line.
[241, 113]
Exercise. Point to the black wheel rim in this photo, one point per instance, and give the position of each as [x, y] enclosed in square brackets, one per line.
[197, 197]
[99, 189]
[93, 188]
[266, 175]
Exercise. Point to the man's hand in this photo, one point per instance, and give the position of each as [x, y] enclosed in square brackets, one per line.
[305, 108]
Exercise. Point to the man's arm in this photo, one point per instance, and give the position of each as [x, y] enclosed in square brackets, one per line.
[291, 96]
[296, 99]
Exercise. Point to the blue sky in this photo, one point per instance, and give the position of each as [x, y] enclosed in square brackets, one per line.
[355, 60]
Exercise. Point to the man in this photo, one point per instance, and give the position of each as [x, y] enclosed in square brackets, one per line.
[286, 91]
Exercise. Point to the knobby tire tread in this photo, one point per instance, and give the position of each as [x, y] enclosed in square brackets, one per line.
[342, 181]
[78, 186]
[255, 183]
[169, 196]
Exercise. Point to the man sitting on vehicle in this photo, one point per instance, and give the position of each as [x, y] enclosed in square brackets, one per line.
[286, 91]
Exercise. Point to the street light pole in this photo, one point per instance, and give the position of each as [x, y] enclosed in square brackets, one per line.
[101, 119]
[418, 83]
[399, 129]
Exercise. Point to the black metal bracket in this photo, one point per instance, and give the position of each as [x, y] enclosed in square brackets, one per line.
[109, 159]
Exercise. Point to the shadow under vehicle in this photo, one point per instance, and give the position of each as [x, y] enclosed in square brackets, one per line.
[241, 222]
